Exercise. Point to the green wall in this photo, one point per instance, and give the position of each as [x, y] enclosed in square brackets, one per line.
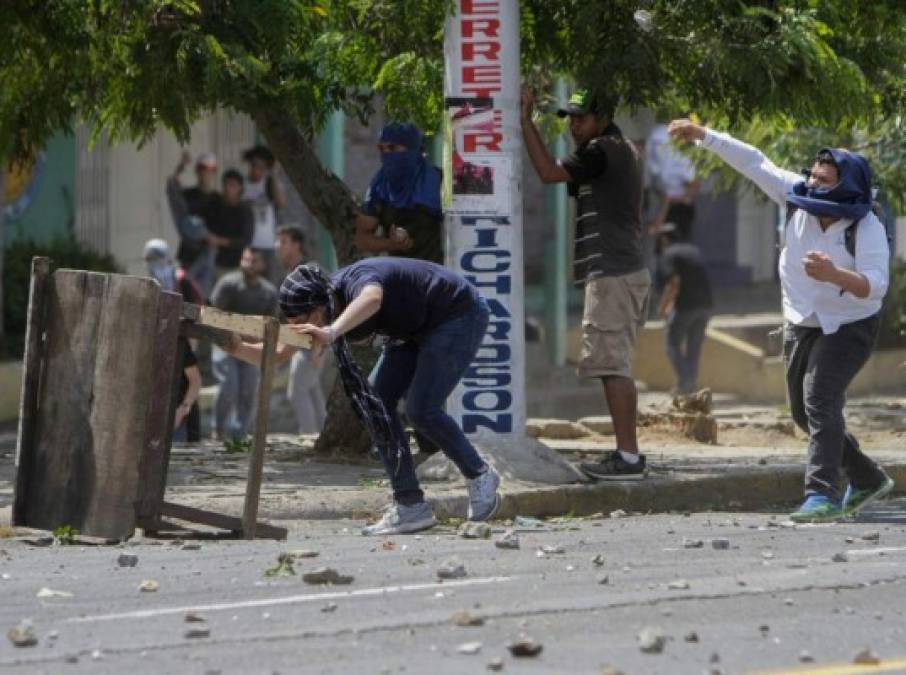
[53, 206]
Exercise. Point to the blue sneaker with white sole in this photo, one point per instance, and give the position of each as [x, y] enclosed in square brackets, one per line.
[817, 509]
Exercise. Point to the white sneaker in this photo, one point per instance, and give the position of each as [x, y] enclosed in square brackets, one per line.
[402, 519]
[484, 499]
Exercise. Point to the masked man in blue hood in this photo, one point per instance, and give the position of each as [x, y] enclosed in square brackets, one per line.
[403, 200]
[834, 274]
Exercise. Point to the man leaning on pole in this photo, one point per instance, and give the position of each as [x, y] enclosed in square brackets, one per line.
[604, 174]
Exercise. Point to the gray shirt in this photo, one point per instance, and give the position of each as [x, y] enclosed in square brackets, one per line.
[234, 294]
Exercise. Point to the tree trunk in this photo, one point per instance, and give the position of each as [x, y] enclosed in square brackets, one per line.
[330, 201]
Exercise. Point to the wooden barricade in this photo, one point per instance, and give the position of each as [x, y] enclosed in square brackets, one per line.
[101, 371]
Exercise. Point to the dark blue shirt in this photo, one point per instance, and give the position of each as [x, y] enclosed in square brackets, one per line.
[418, 295]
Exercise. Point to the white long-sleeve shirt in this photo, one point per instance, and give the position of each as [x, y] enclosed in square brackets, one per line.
[807, 301]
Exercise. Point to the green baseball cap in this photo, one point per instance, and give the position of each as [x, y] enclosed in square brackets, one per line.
[580, 103]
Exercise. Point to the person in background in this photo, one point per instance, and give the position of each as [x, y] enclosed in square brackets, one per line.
[188, 207]
[172, 278]
[672, 175]
[401, 214]
[686, 304]
[304, 386]
[242, 291]
[230, 221]
[265, 194]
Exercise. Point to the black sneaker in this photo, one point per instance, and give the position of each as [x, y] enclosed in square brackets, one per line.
[614, 467]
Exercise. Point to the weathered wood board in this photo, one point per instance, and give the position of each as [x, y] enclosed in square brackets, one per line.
[91, 417]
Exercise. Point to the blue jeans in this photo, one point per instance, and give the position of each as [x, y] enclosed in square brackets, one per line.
[235, 403]
[426, 370]
[685, 335]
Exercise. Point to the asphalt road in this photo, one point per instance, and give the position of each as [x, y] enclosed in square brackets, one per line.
[774, 597]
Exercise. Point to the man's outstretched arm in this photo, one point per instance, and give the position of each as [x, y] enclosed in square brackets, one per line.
[547, 168]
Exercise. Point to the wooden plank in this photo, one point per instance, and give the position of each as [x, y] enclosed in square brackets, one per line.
[99, 355]
[256, 461]
[249, 326]
[219, 520]
[31, 380]
[161, 410]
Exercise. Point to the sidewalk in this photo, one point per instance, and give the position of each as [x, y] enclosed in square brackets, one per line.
[684, 475]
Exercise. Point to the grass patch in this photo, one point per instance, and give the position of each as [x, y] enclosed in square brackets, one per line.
[235, 447]
[372, 482]
[65, 535]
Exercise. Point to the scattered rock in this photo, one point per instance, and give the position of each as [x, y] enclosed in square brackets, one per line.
[603, 580]
[148, 586]
[767, 555]
[190, 546]
[789, 602]
[678, 585]
[610, 670]
[23, 634]
[602, 425]
[692, 543]
[465, 619]
[303, 553]
[326, 575]
[470, 530]
[619, 513]
[495, 665]
[549, 549]
[849, 540]
[701, 428]
[714, 658]
[699, 402]
[195, 633]
[720, 544]
[806, 657]
[509, 540]
[691, 636]
[764, 629]
[598, 560]
[528, 521]
[469, 648]
[557, 429]
[866, 657]
[127, 560]
[329, 607]
[51, 593]
[525, 648]
[652, 640]
[840, 557]
[452, 568]
[874, 535]
[193, 617]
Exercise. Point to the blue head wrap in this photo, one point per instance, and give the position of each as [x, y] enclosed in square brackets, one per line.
[405, 179]
[850, 198]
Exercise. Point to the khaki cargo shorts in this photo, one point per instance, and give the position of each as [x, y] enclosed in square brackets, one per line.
[615, 310]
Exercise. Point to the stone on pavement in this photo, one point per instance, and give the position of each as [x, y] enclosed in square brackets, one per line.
[452, 568]
[127, 560]
[525, 647]
[148, 586]
[720, 543]
[471, 530]
[469, 648]
[23, 634]
[866, 657]
[555, 429]
[326, 575]
[509, 540]
[652, 640]
[465, 618]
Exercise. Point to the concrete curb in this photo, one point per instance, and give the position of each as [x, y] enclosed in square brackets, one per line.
[732, 489]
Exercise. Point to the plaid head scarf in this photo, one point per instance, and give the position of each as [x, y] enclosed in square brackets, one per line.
[305, 289]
